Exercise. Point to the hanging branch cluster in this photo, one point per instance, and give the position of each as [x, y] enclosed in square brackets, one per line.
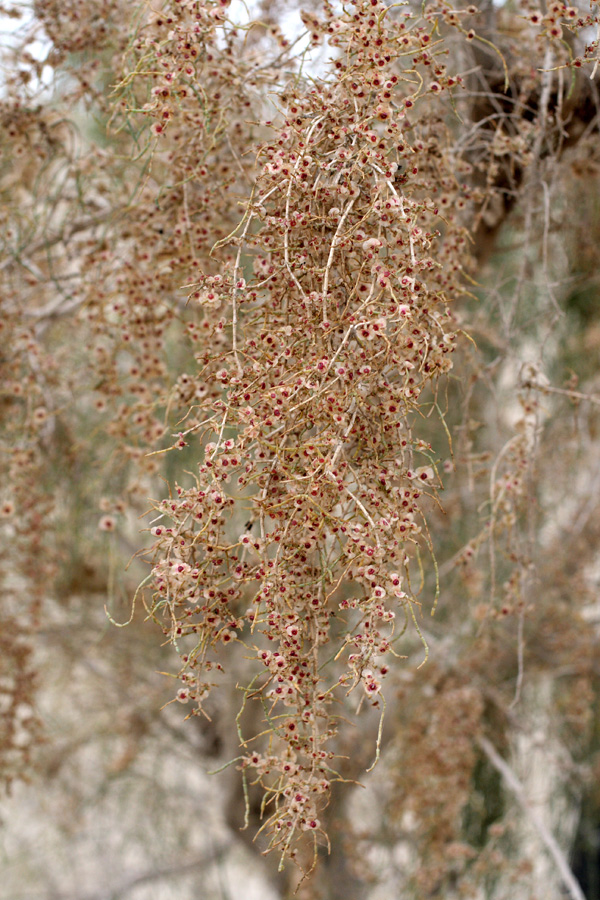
[332, 307]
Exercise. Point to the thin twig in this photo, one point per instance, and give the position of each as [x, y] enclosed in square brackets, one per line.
[575, 395]
[520, 663]
[331, 252]
[548, 839]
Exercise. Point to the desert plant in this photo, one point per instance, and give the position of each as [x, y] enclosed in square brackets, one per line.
[267, 269]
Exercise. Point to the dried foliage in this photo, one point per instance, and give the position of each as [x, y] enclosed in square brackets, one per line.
[260, 267]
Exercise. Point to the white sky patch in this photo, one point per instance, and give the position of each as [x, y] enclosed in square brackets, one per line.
[27, 34]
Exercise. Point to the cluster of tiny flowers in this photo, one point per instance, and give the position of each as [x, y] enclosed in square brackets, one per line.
[334, 317]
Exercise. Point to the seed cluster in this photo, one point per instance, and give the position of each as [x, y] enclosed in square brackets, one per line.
[334, 307]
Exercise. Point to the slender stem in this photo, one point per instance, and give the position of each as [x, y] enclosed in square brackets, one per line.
[547, 837]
